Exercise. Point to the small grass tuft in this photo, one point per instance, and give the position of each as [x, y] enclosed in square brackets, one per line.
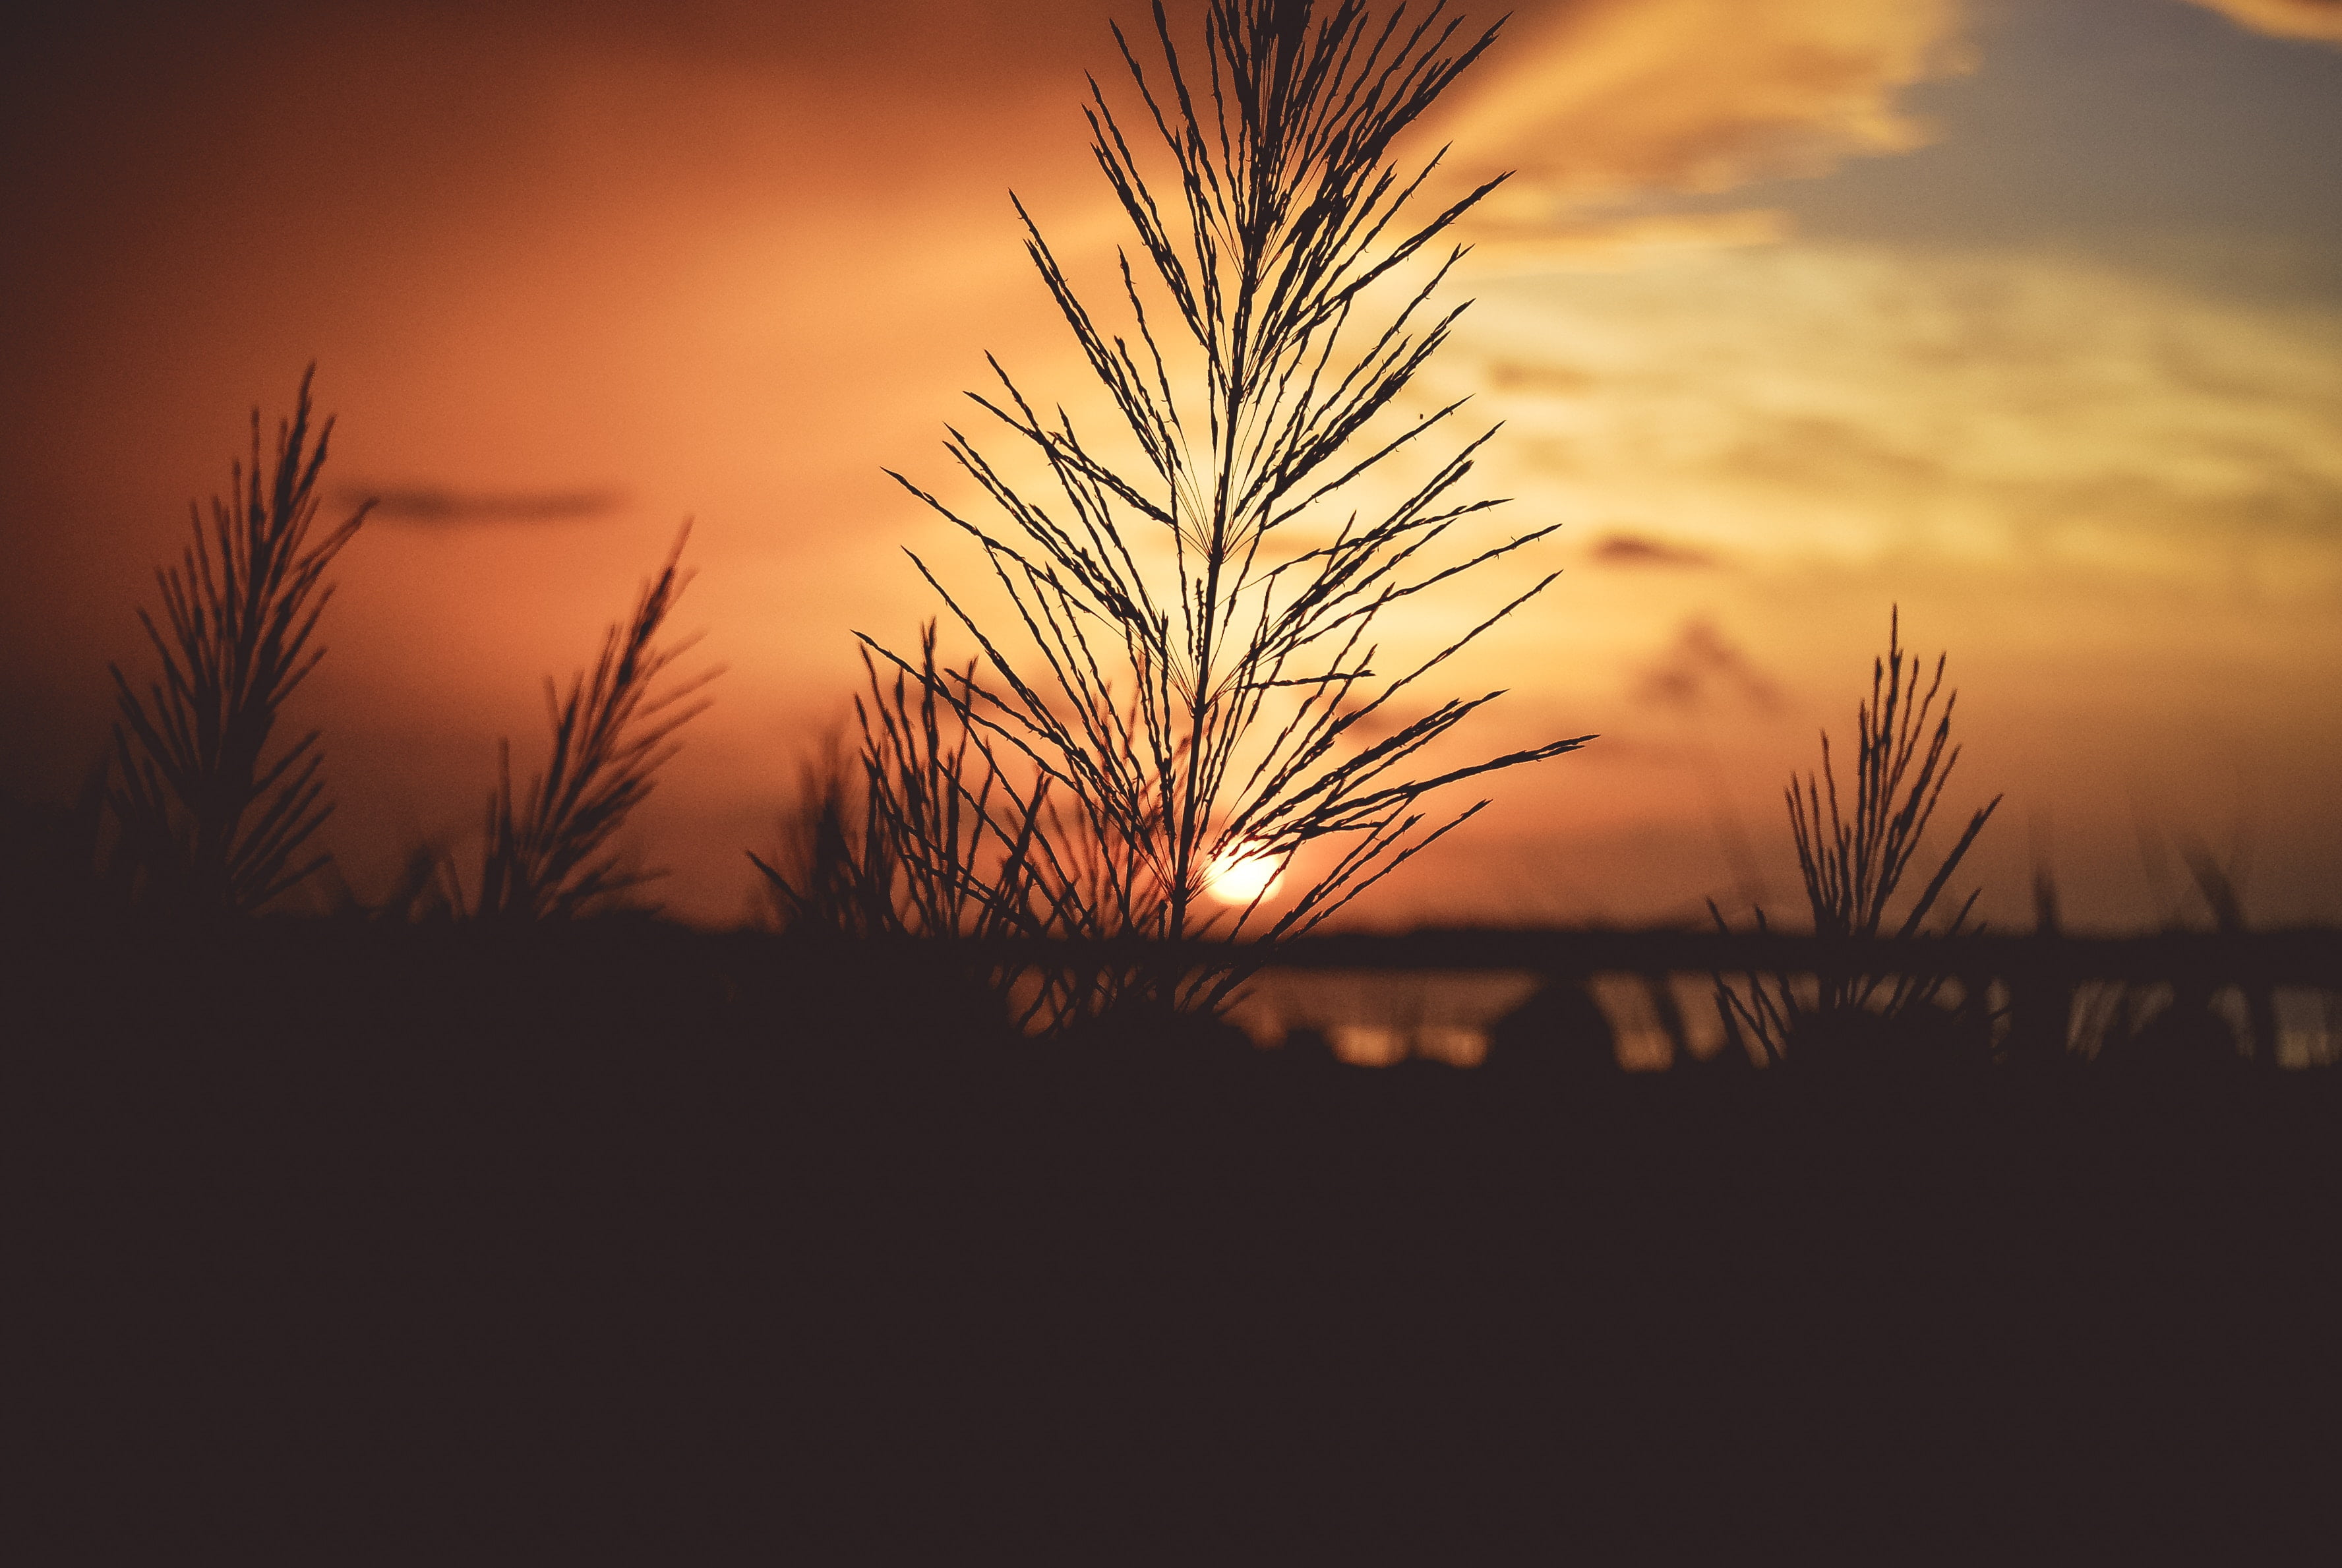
[548, 854]
[1854, 867]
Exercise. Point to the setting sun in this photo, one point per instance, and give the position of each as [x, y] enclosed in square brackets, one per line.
[1242, 874]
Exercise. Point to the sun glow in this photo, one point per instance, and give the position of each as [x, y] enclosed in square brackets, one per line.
[1243, 874]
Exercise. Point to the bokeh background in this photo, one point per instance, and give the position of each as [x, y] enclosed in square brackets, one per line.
[2023, 315]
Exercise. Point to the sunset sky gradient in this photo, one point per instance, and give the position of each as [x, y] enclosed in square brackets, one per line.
[2024, 315]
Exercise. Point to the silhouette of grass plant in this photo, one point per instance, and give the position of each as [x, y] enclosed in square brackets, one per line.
[208, 821]
[548, 854]
[831, 875]
[1177, 716]
[915, 837]
[1854, 867]
[907, 840]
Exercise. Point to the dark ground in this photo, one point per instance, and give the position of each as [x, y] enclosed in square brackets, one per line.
[355, 1244]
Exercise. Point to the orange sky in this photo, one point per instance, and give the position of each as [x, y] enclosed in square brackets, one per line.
[1795, 310]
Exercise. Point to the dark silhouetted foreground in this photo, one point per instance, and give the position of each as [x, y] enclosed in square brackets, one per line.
[345, 1243]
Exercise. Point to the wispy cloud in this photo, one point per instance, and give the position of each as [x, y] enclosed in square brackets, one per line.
[1701, 669]
[2316, 19]
[438, 506]
[1811, 404]
[1635, 550]
[1599, 99]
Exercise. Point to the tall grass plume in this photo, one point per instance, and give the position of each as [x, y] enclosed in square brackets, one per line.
[1216, 705]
